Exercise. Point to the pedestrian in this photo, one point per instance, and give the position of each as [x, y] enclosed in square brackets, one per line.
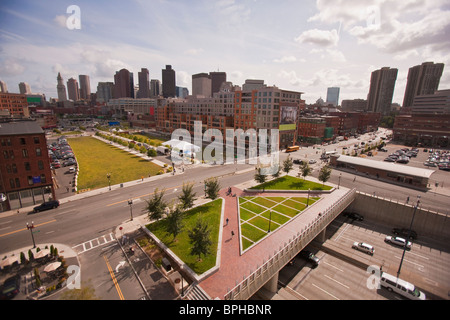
[407, 199]
[232, 233]
[227, 220]
[229, 191]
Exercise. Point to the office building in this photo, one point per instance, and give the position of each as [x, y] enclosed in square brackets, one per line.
[382, 84]
[201, 85]
[61, 89]
[333, 96]
[354, 105]
[25, 176]
[435, 104]
[85, 87]
[24, 88]
[422, 80]
[217, 79]
[168, 82]
[155, 88]
[3, 87]
[105, 91]
[73, 90]
[14, 105]
[144, 83]
[123, 84]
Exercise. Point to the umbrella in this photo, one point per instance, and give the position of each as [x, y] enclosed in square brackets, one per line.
[41, 253]
[8, 261]
[52, 266]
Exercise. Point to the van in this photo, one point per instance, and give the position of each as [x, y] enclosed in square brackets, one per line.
[402, 287]
[292, 149]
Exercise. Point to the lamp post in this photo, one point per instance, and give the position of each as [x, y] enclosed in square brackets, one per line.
[339, 183]
[31, 227]
[307, 201]
[108, 175]
[130, 203]
[409, 235]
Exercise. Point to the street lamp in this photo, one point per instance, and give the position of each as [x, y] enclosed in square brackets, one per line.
[130, 202]
[409, 235]
[339, 183]
[108, 175]
[31, 227]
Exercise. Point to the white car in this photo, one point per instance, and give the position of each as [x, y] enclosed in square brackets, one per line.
[72, 170]
[398, 241]
[312, 161]
[364, 247]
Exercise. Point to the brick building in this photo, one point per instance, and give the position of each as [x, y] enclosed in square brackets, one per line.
[25, 176]
[16, 104]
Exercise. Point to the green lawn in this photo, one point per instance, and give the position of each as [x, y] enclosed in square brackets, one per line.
[96, 159]
[209, 213]
[256, 213]
[290, 183]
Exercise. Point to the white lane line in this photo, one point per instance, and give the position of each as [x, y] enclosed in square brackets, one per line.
[338, 282]
[333, 266]
[326, 292]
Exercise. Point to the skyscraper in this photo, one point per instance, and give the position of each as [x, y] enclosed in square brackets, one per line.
[85, 87]
[422, 79]
[144, 83]
[168, 82]
[61, 88]
[24, 88]
[217, 78]
[382, 84]
[333, 96]
[72, 89]
[3, 87]
[105, 91]
[201, 85]
[155, 88]
[123, 84]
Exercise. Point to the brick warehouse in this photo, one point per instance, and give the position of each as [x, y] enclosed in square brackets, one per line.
[25, 175]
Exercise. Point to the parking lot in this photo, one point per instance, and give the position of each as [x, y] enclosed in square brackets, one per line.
[426, 265]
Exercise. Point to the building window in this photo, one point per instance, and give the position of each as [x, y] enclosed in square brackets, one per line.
[27, 166]
[43, 179]
[25, 153]
[40, 165]
[23, 141]
[30, 180]
[11, 183]
[14, 168]
[36, 140]
[5, 154]
[38, 152]
[17, 183]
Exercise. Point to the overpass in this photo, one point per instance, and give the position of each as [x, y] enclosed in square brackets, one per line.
[240, 275]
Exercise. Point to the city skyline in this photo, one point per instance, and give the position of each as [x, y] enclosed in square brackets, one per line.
[307, 46]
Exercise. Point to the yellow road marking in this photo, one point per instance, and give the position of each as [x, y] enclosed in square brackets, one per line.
[144, 195]
[111, 272]
[36, 225]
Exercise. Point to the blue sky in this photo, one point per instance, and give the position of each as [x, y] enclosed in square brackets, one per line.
[297, 45]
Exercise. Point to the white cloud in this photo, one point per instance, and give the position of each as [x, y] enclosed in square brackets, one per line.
[285, 59]
[325, 38]
[11, 67]
[194, 52]
[60, 20]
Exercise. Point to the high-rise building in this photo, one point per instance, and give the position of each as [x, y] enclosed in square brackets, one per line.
[217, 78]
[105, 91]
[144, 83]
[168, 82]
[85, 87]
[201, 85]
[382, 84]
[61, 88]
[422, 79]
[333, 96]
[24, 88]
[123, 84]
[73, 90]
[3, 87]
[155, 88]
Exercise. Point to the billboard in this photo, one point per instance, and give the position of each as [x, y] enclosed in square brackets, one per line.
[288, 118]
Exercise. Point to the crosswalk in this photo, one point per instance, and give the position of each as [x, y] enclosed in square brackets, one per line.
[94, 243]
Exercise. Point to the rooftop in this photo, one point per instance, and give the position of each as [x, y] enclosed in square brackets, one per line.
[19, 127]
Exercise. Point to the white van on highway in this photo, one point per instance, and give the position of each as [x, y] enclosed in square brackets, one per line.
[401, 287]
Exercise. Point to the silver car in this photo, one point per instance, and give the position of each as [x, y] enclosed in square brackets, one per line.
[398, 241]
[364, 247]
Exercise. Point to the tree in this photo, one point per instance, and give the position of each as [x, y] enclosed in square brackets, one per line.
[324, 174]
[305, 169]
[212, 188]
[199, 238]
[156, 206]
[187, 196]
[288, 165]
[175, 221]
[259, 177]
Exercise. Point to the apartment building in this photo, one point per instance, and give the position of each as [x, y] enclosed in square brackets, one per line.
[16, 105]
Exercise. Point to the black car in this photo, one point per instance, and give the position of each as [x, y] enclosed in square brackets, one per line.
[310, 257]
[297, 161]
[353, 216]
[405, 233]
[46, 206]
[11, 287]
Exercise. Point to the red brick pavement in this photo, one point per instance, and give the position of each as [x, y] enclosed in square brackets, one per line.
[234, 267]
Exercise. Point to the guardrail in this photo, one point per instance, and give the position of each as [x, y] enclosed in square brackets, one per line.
[247, 287]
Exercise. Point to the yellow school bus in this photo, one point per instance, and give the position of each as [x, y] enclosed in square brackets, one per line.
[292, 148]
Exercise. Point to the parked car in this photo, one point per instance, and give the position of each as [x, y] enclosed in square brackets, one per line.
[312, 161]
[46, 206]
[11, 287]
[310, 257]
[364, 247]
[297, 161]
[398, 241]
[405, 233]
[353, 216]
[72, 170]
[389, 159]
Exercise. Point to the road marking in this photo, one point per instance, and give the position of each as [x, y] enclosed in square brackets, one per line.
[423, 257]
[116, 284]
[342, 232]
[326, 292]
[141, 196]
[337, 282]
[333, 266]
[418, 265]
[93, 243]
[19, 230]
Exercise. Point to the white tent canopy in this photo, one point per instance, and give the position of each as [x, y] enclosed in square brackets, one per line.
[180, 145]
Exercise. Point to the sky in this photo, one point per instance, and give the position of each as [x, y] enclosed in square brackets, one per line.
[304, 46]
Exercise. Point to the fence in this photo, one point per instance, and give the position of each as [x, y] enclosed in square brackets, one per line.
[247, 287]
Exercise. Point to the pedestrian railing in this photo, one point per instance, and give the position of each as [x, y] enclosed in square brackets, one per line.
[252, 283]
